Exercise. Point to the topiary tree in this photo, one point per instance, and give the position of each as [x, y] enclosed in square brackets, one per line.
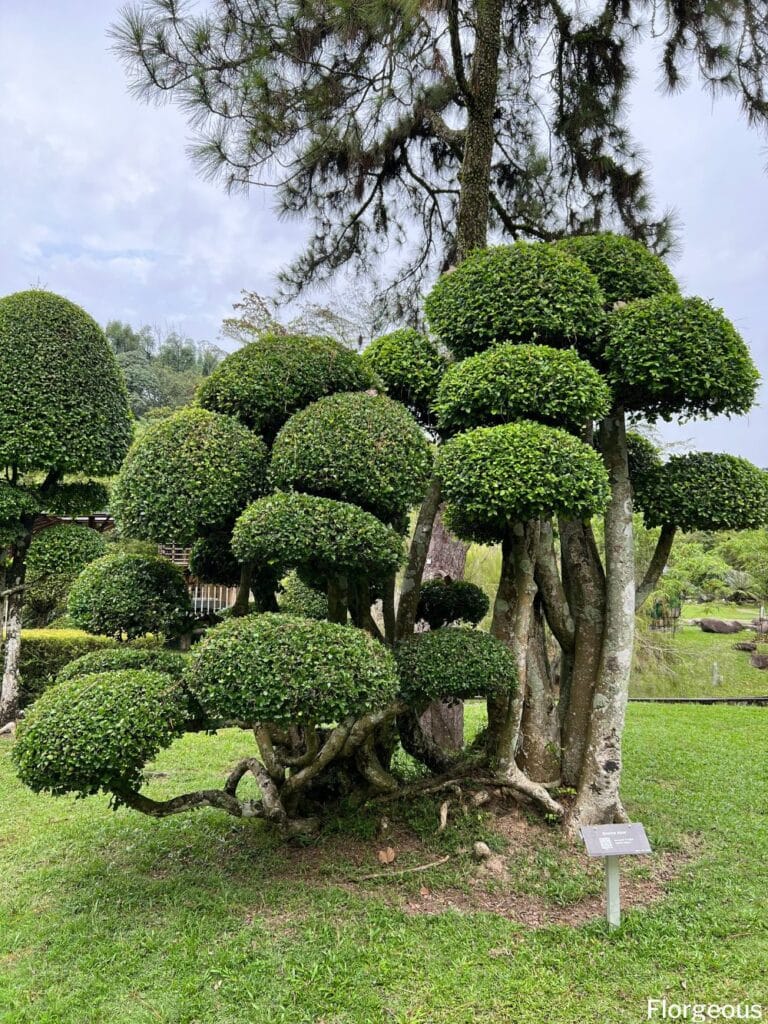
[127, 596]
[443, 602]
[63, 410]
[57, 555]
[359, 448]
[455, 664]
[188, 477]
[266, 381]
[662, 355]
[118, 659]
[299, 598]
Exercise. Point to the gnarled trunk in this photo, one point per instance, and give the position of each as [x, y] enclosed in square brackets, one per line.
[540, 747]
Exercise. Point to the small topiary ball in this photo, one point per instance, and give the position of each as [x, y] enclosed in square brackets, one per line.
[97, 732]
[16, 503]
[265, 382]
[513, 382]
[625, 269]
[195, 470]
[410, 366]
[644, 465]
[515, 293]
[322, 536]
[130, 596]
[78, 499]
[454, 663]
[706, 491]
[364, 449]
[298, 598]
[669, 356]
[444, 601]
[113, 659]
[290, 670]
[63, 402]
[495, 476]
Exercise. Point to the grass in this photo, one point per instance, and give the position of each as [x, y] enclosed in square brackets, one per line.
[687, 664]
[112, 918]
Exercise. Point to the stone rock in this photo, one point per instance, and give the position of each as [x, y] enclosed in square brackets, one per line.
[8, 730]
[745, 645]
[494, 865]
[482, 851]
[720, 626]
[759, 661]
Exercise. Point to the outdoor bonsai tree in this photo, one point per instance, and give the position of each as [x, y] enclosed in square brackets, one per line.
[56, 557]
[63, 412]
[661, 355]
[444, 602]
[127, 596]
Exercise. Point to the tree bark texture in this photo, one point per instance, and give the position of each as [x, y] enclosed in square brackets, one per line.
[539, 755]
[598, 800]
[9, 690]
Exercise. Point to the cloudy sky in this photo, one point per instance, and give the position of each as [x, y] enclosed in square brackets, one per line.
[99, 202]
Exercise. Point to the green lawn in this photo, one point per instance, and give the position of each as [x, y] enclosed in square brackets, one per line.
[686, 664]
[117, 919]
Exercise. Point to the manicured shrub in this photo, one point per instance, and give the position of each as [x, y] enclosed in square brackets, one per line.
[115, 659]
[494, 476]
[194, 471]
[265, 382]
[359, 448]
[443, 601]
[513, 382]
[63, 402]
[410, 367]
[97, 732]
[645, 463]
[298, 598]
[625, 269]
[45, 653]
[707, 491]
[515, 293]
[290, 670]
[16, 502]
[454, 663]
[57, 555]
[325, 537]
[669, 356]
[130, 596]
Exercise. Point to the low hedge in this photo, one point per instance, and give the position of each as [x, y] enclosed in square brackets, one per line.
[45, 652]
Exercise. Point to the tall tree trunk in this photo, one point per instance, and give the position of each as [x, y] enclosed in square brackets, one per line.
[9, 690]
[598, 800]
[417, 560]
[243, 599]
[584, 583]
[540, 748]
[338, 600]
[475, 176]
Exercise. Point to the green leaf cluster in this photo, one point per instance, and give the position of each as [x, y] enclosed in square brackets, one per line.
[625, 269]
[63, 403]
[320, 535]
[290, 670]
[129, 596]
[364, 449]
[114, 659]
[494, 476]
[515, 293]
[668, 356]
[57, 555]
[78, 498]
[514, 382]
[45, 652]
[706, 491]
[410, 367]
[445, 601]
[191, 472]
[16, 503]
[457, 663]
[266, 381]
[211, 559]
[97, 732]
[299, 598]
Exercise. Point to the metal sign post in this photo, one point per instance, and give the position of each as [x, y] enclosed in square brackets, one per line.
[611, 842]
